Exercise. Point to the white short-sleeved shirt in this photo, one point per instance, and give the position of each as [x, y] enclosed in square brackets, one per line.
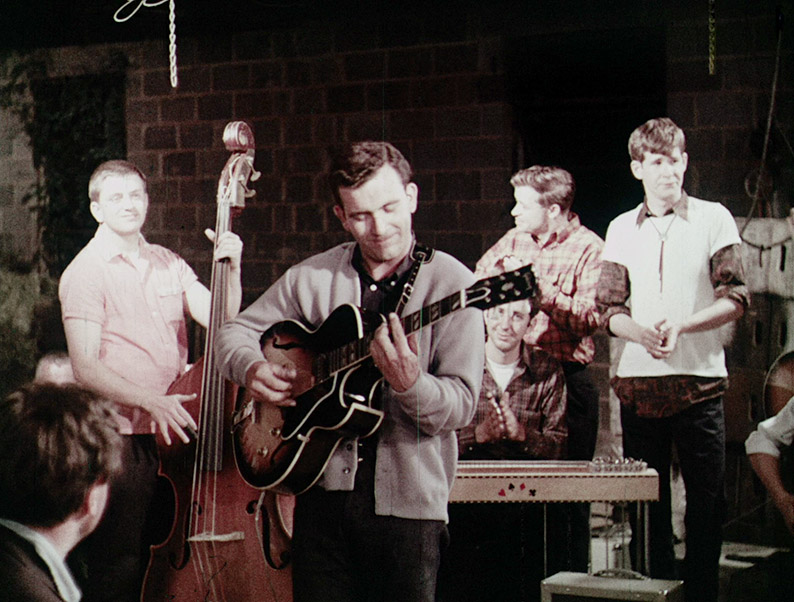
[673, 286]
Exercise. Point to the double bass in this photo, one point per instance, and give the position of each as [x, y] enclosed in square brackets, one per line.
[223, 529]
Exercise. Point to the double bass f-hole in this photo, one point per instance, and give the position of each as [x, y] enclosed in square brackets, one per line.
[179, 564]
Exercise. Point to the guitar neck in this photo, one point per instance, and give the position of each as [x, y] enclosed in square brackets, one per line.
[489, 292]
[346, 356]
[432, 313]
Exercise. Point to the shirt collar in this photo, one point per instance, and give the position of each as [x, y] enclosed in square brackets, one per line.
[391, 279]
[108, 250]
[681, 209]
[561, 235]
[63, 578]
[571, 227]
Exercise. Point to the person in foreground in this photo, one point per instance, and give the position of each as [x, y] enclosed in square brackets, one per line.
[373, 526]
[59, 450]
[54, 367]
[566, 257]
[497, 550]
[123, 303]
[671, 277]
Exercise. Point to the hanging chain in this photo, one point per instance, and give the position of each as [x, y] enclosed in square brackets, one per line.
[712, 38]
[127, 10]
[172, 42]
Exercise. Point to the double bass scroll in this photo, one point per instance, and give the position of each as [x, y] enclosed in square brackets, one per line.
[215, 549]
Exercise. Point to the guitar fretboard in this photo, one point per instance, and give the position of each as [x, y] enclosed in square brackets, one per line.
[489, 292]
[328, 364]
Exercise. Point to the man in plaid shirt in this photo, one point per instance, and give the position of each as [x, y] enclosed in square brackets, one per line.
[496, 550]
[521, 411]
[567, 263]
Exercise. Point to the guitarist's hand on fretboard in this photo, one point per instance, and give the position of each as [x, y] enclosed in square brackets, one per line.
[271, 382]
[395, 354]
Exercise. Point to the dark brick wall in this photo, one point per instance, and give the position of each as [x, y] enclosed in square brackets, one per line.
[435, 83]
[441, 104]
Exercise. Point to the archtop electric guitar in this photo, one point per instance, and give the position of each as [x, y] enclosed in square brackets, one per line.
[337, 389]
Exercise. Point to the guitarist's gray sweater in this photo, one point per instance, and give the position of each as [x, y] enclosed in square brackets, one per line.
[417, 449]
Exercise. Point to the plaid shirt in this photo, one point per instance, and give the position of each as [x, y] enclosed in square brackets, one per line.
[570, 262]
[538, 399]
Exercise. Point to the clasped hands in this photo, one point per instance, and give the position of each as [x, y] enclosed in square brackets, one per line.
[500, 422]
[660, 341]
[394, 354]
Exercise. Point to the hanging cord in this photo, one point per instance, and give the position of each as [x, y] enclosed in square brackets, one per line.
[769, 119]
[755, 193]
[712, 38]
[127, 10]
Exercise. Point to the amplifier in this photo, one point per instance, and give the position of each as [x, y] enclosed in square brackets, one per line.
[581, 587]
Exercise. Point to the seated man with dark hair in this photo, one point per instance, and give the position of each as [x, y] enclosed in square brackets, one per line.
[59, 448]
[497, 551]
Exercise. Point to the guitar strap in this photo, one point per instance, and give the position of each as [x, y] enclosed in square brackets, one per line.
[420, 255]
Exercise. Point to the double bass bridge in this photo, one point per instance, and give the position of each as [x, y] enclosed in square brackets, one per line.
[209, 537]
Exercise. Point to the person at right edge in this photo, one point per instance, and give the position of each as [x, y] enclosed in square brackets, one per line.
[671, 277]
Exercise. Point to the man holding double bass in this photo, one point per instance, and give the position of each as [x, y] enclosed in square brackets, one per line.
[374, 525]
[123, 306]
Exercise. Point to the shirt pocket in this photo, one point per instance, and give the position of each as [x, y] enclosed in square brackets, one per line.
[566, 281]
[171, 304]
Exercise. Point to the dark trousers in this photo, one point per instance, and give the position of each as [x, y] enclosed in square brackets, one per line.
[582, 433]
[343, 552]
[110, 563]
[699, 437]
[496, 551]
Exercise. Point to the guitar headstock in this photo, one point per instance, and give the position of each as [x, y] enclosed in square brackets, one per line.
[502, 288]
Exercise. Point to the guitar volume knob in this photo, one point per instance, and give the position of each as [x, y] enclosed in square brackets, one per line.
[275, 431]
[262, 452]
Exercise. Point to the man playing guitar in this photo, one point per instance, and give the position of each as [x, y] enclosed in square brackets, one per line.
[373, 526]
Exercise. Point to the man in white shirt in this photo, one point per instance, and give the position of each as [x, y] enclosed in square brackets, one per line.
[671, 276]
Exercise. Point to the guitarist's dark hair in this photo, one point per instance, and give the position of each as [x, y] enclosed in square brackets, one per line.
[356, 163]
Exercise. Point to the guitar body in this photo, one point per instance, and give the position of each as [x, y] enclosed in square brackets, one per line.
[231, 564]
[779, 384]
[337, 387]
[286, 449]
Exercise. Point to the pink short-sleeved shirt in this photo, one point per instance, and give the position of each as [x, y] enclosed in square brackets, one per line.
[141, 311]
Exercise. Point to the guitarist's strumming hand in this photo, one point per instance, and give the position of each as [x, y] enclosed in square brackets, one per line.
[271, 382]
[395, 355]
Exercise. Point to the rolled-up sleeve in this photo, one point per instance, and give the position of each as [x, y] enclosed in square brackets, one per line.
[613, 292]
[727, 275]
[773, 433]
